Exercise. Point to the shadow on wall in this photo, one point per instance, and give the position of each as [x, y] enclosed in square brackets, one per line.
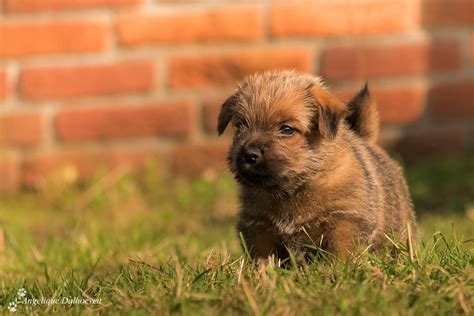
[446, 127]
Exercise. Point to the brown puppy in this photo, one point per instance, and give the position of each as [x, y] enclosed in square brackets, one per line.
[308, 168]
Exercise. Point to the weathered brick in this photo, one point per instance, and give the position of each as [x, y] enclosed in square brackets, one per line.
[390, 60]
[222, 24]
[4, 85]
[432, 141]
[227, 68]
[21, 129]
[210, 111]
[40, 83]
[9, 172]
[453, 100]
[400, 105]
[59, 5]
[38, 167]
[342, 18]
[20, 39]
[439, 13]
[98, 123]
[471, 48]
[194, 159]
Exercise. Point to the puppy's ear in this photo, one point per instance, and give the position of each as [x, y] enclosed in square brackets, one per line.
[226, 113]
[363, 116]
[331, 111]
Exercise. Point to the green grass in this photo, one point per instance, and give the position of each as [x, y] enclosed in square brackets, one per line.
[145, 244]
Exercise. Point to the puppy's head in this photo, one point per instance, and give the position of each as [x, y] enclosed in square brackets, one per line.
[283, 121]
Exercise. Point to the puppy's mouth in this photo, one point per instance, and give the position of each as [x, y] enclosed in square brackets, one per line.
[256, 176]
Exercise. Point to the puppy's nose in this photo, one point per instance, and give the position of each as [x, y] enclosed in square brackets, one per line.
[252, 156]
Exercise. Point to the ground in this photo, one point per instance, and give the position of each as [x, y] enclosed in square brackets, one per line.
[141, 243]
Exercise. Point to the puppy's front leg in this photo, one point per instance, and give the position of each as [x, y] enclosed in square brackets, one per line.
[260, 241]
[345, 237]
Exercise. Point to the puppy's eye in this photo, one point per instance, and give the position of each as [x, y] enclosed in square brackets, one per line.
[238, 125]
[287, 130]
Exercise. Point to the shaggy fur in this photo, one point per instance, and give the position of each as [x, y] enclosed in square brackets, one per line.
[308, 168]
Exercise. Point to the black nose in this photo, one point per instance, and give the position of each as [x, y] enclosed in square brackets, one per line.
[252, 156]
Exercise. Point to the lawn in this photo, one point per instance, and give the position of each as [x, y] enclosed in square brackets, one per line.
[145, 243]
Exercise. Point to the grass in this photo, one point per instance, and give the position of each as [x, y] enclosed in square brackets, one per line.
[143, 244]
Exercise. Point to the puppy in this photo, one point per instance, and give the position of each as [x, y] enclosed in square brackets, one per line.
[309, 170]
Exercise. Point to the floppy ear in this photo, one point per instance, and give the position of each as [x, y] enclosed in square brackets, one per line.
[226, 113]
[331, 111]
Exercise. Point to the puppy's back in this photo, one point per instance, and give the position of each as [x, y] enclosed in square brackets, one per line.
[397, 205]
[391, 193]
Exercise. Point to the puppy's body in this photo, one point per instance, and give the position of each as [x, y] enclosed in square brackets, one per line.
[358, 197]
[309, 169]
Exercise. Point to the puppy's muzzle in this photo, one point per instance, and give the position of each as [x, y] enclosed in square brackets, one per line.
[251, 164]
[252, 156]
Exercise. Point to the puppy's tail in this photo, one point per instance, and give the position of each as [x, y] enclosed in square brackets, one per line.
[363, 116]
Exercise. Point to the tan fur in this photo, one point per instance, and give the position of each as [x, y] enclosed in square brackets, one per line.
[327, 184]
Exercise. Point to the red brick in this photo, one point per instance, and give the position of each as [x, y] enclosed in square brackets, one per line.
[39, 167]
[98, 123]
[59, 5]
[42, 83]
[53, 37]
[194, 159]
[210, 112]
[390, 60]
[432, 141]
[4, 85]
[471, 48]
[9, 172]
[438, 13]
[229, 23]
[225, 69]
[400, 105]
[396, 105]
[342, 18]
[453, 100]
[21, 129]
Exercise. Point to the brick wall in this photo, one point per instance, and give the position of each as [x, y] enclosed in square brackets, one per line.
[87, 84]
